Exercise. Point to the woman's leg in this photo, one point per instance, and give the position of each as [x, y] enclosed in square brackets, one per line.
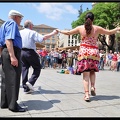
[92, 78]
[86, 76]
[92, 81]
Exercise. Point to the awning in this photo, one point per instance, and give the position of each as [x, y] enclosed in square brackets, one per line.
[69, 47]
[38, 45]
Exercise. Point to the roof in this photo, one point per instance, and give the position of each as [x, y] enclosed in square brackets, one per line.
[2, 20]
[44, 26]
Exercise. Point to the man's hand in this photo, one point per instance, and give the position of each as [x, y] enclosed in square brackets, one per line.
[14, 61]
[58, 30]
[55, 31]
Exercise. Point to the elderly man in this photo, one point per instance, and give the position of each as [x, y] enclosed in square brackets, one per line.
[11, 45]
[29, 56]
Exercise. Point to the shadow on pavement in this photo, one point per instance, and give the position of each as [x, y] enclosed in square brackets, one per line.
[40, 105]
[42, 91]
[104, 97]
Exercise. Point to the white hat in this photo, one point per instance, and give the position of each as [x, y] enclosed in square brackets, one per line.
[14, 12]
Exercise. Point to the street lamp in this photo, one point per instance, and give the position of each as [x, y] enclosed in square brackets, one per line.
[116, 39]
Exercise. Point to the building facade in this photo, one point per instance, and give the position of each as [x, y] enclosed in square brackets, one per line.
[1, 22]
[58, 40]
[68, 40]
[43, 29]
[94, 3]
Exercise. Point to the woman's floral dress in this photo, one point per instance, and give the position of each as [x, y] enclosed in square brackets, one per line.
[88, 57]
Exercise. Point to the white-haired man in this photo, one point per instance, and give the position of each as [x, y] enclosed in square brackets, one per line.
[11, 45]
[29, 57]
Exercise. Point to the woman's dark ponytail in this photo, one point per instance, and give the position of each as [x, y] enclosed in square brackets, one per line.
[88, 22]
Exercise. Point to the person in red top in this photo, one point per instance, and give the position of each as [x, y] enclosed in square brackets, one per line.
[43, 57]
[114, 61]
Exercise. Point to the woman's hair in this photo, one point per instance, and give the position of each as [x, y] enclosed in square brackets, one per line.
[88, 22]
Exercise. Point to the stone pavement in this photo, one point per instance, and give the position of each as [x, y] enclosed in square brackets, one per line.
[61, 95]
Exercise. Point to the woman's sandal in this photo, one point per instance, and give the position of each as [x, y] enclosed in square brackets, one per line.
[87, 98]
[93, 91]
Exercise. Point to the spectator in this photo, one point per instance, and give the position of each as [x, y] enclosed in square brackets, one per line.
[11, 44]
[118, 61]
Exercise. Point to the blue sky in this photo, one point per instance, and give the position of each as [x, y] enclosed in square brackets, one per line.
[59, 15]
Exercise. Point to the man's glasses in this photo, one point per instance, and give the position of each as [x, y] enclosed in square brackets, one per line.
[20, 17]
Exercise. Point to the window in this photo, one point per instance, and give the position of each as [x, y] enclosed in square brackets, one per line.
[75, 41]
[52, 46]
[72, 36]
[72, 41]
[47, 41]
[68, 41]
[43, 30]
[53, 41]
[69, 36]
[48, 30]
[47, 46]
[38, 30]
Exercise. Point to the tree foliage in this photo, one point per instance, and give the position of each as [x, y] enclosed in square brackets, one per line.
[106, 14]
[80, 11]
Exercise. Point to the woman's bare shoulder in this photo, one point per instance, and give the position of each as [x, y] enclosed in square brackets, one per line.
[96, 26]
[80, 26]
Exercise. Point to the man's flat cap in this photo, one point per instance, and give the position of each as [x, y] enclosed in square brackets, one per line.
[14, 12]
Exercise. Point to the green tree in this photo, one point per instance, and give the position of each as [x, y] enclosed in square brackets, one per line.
[87, 9]
[80, 11]
[106, 15]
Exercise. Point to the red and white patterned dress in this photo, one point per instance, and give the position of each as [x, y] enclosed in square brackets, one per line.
[88, 58]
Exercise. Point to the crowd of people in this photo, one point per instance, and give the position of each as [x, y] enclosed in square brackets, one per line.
[64, 59]
[56, 58]
[110, 59]
[18, 53]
